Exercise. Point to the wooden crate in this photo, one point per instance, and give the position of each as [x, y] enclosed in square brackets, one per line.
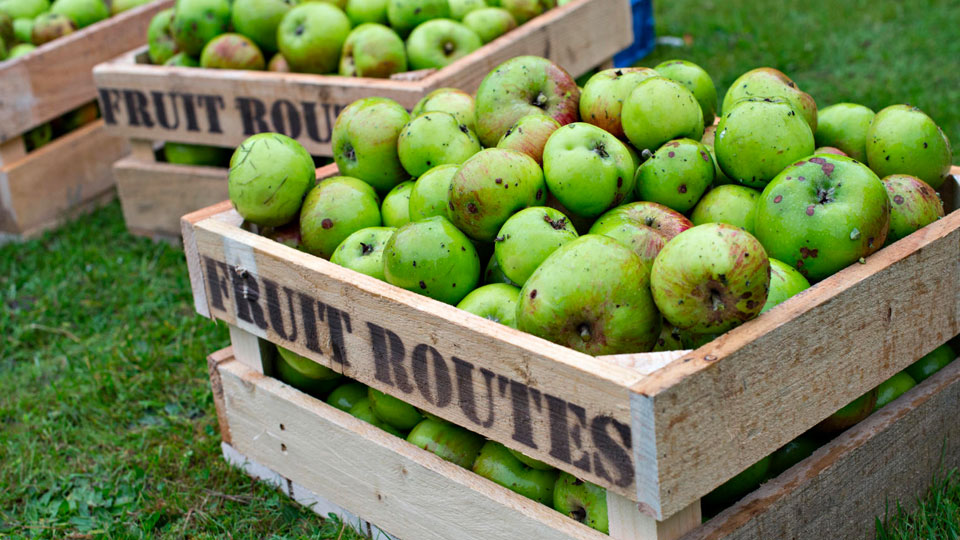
[658, 429]
[68, 176]
[334, 463]
[224, 107]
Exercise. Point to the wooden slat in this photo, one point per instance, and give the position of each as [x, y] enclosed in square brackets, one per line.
[709, 415]
[230, 105]
[837, 493]
[154, 196]
[216, 387]
[49, 184]
[187, 223]
[55, 78]
[408, 492]
[627, 523]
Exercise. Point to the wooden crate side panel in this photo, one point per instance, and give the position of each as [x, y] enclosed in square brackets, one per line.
[154, 196]
[563, 407]
[724, 406]
[56, 78]
[41, 189]
[578, 36]
[405, 490]
[838, 492]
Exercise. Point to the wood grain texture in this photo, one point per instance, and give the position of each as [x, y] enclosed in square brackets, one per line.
[230, 105]
[70, 174]
[406, 491]
[627, 523]
[56, 77]
[154, 196]
[722, 407]
[841, 488]
[197, 284]
[216, 387]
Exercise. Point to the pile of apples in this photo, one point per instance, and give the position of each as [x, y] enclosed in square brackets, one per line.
[27, 24]
[355, 38]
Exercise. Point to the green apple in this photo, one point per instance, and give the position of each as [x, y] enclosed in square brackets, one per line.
[269, 175]
[333, 210]
[822, 214]
[182, 59]
[82, 12]
[195, 22]
[38, 136]
[342, 4]
[844, 126]
[395, 209]
[440, 42]
[393, 411]
[587, 169]
[537, 86]
[524, 10]
[119, 6]
[697, 80]
[591, 295]
[373, 50]
[734, 489]
[278, 64]
[51, 26]
[24, 9]
[490, 187]
[645, 241]
[758, 138]
[449, 100]
[530, 462]
[345, 396]
[405, 15]
[904, 140]
[731, 204]
[677, 175]
[160, 43]
[582, 501]
[849, 415]
[668, 222]
[365, 142]
[489, 23]
[433, 258]
[7, 36]
[305, 374]
[259, 20]
[913, 205]
[430, 194]
[451, 442]
[529, 135]
[432, 139]
[311, 37]
[195, 154]
[790, 454]
[496, 301]
[23, 30]
[367, 11]
[603, 95]
[785, 282]
[893, 388]
[933, 362]
[769, 83]
[497, 464]
[363, 251]
[659, 110]
[460, 8]
[711, 278]
[363, 410]
[494, 274]
[528, 238]
[232, 51]
[21, 50]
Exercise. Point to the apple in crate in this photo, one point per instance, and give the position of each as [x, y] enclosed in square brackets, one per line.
[395, 209]
[582, 501]
[259, 19]
[365, 138]
[305, 374]
[489, 23]
[435, 138]
[439, 43]
[82, 12]
[659, 110]
[844, 126]
[528, 238]
[232, 51]
[333, 210]
[362, 251]
[495, 301]
[451, 442]
[697, 80]
[373, 50]
[602, 100]
[730, 204]
[913, 205]
[498, 464]
[668, 222]
[311, 37]
[530, 135]
[430, 195]
[348, 394]
[269, 175]
[196, 22]
[769, 83]
[160, 43]
[405, 15]
[904, 140]
[449, 100]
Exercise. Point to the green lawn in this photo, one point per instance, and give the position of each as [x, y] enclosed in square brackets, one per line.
[108, 426]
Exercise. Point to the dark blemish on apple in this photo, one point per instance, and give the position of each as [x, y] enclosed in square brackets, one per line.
[619, 181]
[799, 264]
[778, 198]
[671, 154]
[746, 295]
[454, 285]
[414, 263]
[539, 194]
[533, 294]
[682, 188]
[417, 11]
[450, 204]
[824, 164]
[501, 238]
[924, 145]
[809, 253]
[498, 181]
[464, 128]
[472, 208]
[802, 178]
[870, 242]
[299, 30]
[898, 199]
[704, 156]
[618, 73]
[422, 284]
[326, 223]
[365, 249]
[462, 248]
[799, 163]
[810, 209]
[888, 158]
[751, 304]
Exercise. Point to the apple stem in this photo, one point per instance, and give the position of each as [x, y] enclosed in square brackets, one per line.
[584, 332]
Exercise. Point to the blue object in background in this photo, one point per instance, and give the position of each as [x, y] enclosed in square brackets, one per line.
[643, 34]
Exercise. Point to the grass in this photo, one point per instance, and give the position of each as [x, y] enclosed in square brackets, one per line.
[876, 53]
[936, 517]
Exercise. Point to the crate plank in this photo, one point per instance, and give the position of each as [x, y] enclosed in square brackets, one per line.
[55, 78]
[837, 492]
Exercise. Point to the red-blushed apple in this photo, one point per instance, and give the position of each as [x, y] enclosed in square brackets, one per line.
[823, 213]
[521, 86]
[592, 294]
[645, 241]
[528, 238]
[659, 110]
[785, 282]
[232, 51]
[667, 221]
[697, 80]
[904, 140]
[602, 99]
[830, 150]
[913, 205]
[772, 84]
[449, 100]
[529, 135]
[844, 126]
[677, 175]
[278, 64]
[711, 278]
[730, 204]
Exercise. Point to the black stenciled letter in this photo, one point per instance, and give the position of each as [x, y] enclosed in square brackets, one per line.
[615, 453]
[276, 313]
[137, 113]
[310, 322]
[252, 114]
[189, 111]
[561, 433]
[212, 104]
[160, 108]
[520, 395]
[292, 118]
[217, 282]
[336, 321]
[441, 375]
[388, 359]
[246, 294]
[465, 395]
[109, 104]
